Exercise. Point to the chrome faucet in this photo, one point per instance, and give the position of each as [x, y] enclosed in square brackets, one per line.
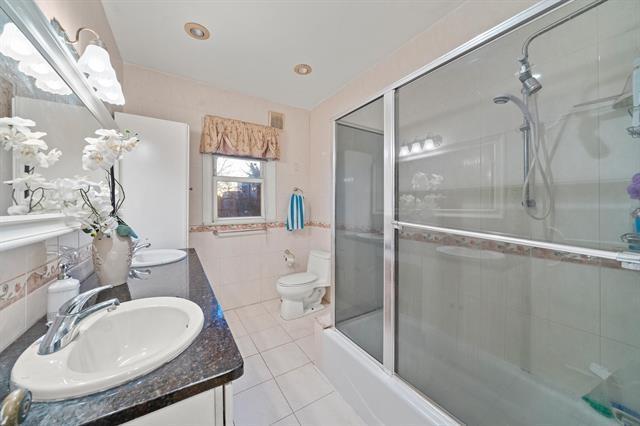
[139, 246]
[65, 325]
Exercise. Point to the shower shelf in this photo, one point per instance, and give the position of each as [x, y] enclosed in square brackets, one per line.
[627, 259]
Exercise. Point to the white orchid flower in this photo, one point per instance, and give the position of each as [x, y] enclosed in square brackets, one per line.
[50, 158]
[29, 181]
[110, 133]
[104, 151]
[18, 209]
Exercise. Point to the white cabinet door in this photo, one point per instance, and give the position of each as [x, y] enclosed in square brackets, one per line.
[155, 176]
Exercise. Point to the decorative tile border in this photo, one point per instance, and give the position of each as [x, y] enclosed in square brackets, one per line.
[505, 248]
[42, 275]
[27, 283]
[15, 290]
[251, 227]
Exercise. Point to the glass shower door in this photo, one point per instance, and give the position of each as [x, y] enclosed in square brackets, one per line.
[500, 333]
[359, 151]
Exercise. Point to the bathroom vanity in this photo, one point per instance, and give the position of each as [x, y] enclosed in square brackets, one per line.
[193, 388]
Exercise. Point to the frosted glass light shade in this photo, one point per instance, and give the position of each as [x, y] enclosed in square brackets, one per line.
[30, 62]
[95, 61]
[111, 94]
[15, 45]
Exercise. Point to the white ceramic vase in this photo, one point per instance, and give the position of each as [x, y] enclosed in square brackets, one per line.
[112, 258]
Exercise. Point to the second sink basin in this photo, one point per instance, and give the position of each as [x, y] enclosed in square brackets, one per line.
[111, 348]
[154, 257]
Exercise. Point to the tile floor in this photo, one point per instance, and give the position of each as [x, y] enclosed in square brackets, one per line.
[281, 385]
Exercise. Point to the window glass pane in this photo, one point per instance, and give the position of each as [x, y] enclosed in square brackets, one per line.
[237, 167]
[239, 199]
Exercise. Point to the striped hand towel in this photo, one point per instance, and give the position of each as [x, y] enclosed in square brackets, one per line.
[295, 216]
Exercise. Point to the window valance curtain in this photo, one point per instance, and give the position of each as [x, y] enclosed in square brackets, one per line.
[234, 137]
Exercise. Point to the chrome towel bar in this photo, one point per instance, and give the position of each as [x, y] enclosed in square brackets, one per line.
[627, 259]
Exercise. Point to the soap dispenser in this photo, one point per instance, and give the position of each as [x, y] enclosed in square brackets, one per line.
[59, 292]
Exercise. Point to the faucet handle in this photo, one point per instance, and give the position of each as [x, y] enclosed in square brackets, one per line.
[75, 305]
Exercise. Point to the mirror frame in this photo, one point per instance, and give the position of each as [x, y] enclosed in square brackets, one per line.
[21, 230]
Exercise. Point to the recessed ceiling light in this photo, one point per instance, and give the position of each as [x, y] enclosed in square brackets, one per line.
[197, 31]
[302, 69]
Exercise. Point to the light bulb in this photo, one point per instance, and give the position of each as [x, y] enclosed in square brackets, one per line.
[404, 151]
[429, 145]
[416, 148]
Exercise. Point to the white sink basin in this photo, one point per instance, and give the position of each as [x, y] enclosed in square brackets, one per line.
[111, 348]
[154, 257]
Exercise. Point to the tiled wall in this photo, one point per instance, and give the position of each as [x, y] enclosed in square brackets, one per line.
[243, 269]
[25, 273]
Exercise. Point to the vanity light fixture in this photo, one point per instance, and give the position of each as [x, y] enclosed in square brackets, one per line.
[420, 146]
[95, 63]
[197, 31]
[303, 69]
[16, 46]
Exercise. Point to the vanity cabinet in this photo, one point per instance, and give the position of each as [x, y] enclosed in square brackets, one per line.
[210, 408]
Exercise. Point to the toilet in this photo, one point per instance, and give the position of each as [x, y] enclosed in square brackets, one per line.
[302, 293]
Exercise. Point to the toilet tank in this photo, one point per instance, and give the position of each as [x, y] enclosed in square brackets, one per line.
[320, 265]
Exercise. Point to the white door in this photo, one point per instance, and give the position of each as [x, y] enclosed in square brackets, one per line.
[155, 177]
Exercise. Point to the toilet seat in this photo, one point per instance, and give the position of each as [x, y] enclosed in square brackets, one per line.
[298, 279]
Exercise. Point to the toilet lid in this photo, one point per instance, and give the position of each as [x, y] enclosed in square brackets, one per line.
[297, 279]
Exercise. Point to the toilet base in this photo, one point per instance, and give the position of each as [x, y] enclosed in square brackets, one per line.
[291, 309]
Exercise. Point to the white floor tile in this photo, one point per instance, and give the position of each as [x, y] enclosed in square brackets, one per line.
[255, 372]
[308, 345]
[231, 315]
[236, 327]
[272, 306]
[246, 346]
[287, 421]
[330, 410]
[259, 322]
[261, 405]
[270, 338]
[284, 358]
[299, 327]
[303, 385]
[251, 311]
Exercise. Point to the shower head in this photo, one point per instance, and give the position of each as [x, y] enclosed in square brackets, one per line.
[530, 84]
[507, 97]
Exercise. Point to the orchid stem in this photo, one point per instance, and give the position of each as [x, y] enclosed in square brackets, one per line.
[112, 185]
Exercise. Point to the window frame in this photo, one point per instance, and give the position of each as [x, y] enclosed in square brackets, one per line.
[210, 199]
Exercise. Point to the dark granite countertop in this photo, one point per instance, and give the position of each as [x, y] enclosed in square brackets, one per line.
[212, 359]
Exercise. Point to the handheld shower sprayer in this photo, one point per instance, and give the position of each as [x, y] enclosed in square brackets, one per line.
[529, 130]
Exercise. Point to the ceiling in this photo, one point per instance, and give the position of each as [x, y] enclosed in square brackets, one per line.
[254, 45]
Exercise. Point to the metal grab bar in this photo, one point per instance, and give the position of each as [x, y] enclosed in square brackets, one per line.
[628, 260]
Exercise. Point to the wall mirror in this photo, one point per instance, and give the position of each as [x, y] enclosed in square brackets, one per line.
[47, 109]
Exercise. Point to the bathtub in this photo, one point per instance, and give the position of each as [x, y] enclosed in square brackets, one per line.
[378, 397]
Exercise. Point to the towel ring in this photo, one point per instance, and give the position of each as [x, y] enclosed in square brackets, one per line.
[296, 189]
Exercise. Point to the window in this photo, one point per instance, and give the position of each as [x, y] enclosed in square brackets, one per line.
[238, 190]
